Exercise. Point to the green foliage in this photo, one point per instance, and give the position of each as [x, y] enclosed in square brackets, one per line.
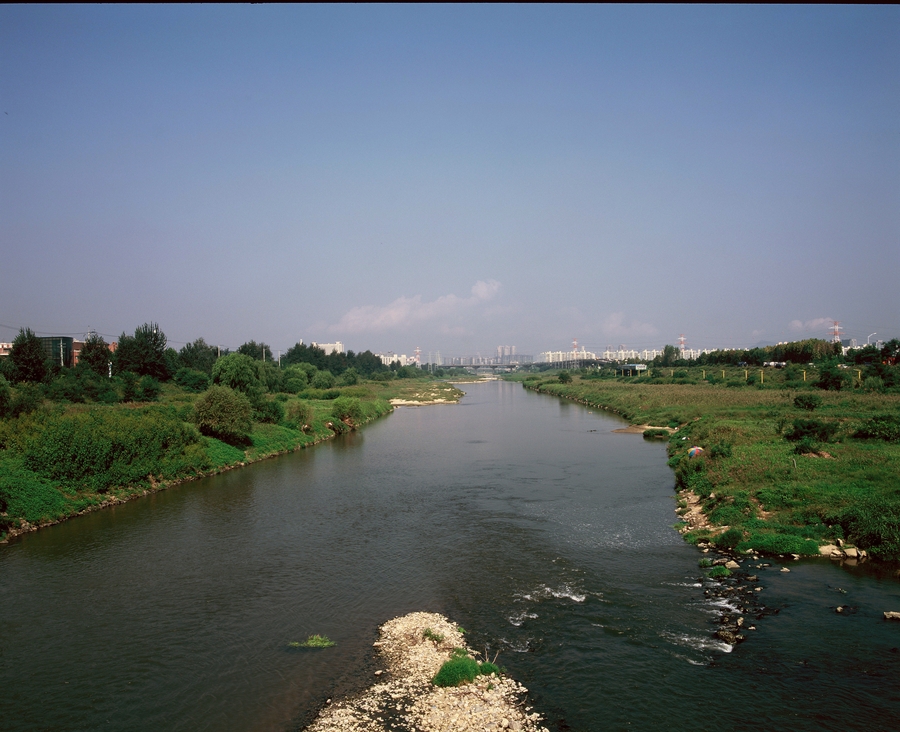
[269, 411]
[295, 378]
[461, 669]
[656, 434]
[148, 389]
[143, 354]
[5, 398]
[731, 538]
[873, 522]
[721, 450]
[705, 562]
[314, 641]
[271, 378]
[192, 379]
[812, 429]
[26, 495]
[347, 409]
[765, 543]
[221, 453]
[100, 448]
[224, 413]
[298, 413]
[238, 372]
[719, 572]
[198, 356]
[349, 378]
[429, 634]
[832, 378]
[256, 351]
[808, 402]
[322, 380]
[564, 377]
[27, 398]
[28, 357]
[881, 427]
[95, 355]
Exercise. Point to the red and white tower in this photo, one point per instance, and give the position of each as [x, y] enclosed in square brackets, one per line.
[836, 331]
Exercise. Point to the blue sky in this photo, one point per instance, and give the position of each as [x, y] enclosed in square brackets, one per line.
[454, 178]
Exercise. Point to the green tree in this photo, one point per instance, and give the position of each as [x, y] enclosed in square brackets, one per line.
[565, 377]
[237, 371]
[669, 357]
[323, 380]
[198, 356]
[95, 354]
[257, 351]
[223, 413]
[144, 353]
[5, 398]
[28, 357]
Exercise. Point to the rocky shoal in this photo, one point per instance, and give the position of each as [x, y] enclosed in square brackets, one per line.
[411, 650]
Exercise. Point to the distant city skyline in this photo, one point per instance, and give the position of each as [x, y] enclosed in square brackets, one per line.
[451, 178]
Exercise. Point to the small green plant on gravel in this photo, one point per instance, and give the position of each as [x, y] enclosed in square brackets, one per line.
[314, 641]
[429, 634]
[705, 562]
[462, 669]
[719, 572]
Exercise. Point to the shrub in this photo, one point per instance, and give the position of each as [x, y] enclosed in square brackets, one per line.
[719, 572]
[807, 401]
[813, 429]
[882, 427]
[656, 434]
[564, 377]
[28, 397]
[873, 523]
[720, 450]
[267, 411]
[26, 495]
[5, 398]
[236, 371]
[461, 669]
[192, 380]
[298, 413]
[347, 409]
[322, 380]
[778, 544]
[730, 539]
[148, 389]
[224, 413]
[101, 448]
[350, 377]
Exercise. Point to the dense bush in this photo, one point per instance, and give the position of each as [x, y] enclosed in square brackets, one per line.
[322, 380]
[347, 409]
[730, 539]
[873, 523]
[882, 427]
[224, 413]
[192, 380]
[778, 544]
[236, 371]
[100, 448]
[811, 429]
[5, 398]
[267, 411]
[807, 401]
[298, 414]
[26, 495]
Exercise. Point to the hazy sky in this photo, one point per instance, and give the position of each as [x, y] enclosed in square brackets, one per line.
[453, 178]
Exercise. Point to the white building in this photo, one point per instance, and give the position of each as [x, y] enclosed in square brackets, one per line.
[566, 356]
[336, 347]
[388, 358]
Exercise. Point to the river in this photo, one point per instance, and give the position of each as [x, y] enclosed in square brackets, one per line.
[521, 516]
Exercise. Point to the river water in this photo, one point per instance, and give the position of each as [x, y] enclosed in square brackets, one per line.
[521, 516]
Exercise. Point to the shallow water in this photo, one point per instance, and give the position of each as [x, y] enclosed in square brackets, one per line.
[521, 516]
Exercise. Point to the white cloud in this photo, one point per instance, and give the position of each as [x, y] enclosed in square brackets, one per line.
[407, 311]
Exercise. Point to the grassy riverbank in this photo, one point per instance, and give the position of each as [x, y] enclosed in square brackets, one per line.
[61, 459]
[785, 467]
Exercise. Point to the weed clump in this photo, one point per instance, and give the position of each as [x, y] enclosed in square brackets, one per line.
[314, 641]
[719, 572]
[429, 634]
[462, 669]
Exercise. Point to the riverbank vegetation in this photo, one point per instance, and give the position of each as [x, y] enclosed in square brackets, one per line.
[787, 465]
[123, 424]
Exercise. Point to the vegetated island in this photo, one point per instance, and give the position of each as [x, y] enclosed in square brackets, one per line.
[798, 460]
[430, 681]
[118, 426]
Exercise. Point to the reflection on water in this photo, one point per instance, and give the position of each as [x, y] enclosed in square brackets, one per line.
[522, 517]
